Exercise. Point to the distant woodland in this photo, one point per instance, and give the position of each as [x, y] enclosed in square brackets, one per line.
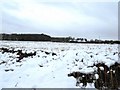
[44, 37]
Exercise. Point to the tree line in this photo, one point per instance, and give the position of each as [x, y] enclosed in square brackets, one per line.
[44, 37]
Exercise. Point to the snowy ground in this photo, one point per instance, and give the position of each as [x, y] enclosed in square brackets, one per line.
[51, 71]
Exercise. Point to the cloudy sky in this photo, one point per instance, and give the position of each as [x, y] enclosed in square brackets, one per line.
[76, 19]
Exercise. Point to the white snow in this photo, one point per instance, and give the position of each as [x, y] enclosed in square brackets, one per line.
[96, 76]
[101, 68]
[54, 73]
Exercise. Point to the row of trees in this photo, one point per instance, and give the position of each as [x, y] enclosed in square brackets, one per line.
[43, 37]
[25, 37]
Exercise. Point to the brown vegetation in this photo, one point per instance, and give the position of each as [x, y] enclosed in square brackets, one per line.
[109, 77]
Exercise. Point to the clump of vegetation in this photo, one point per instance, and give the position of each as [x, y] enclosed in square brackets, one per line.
[82, 78]
[108, 77]
[20, 54]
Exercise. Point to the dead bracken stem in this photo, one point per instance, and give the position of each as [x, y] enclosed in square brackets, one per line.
[111, 77]
[105, 75]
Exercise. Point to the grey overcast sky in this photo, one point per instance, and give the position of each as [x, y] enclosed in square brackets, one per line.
[76, 19]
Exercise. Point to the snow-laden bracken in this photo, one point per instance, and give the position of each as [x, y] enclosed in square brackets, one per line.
[50, 66]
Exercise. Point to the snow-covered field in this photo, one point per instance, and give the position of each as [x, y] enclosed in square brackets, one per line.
[48, 70]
